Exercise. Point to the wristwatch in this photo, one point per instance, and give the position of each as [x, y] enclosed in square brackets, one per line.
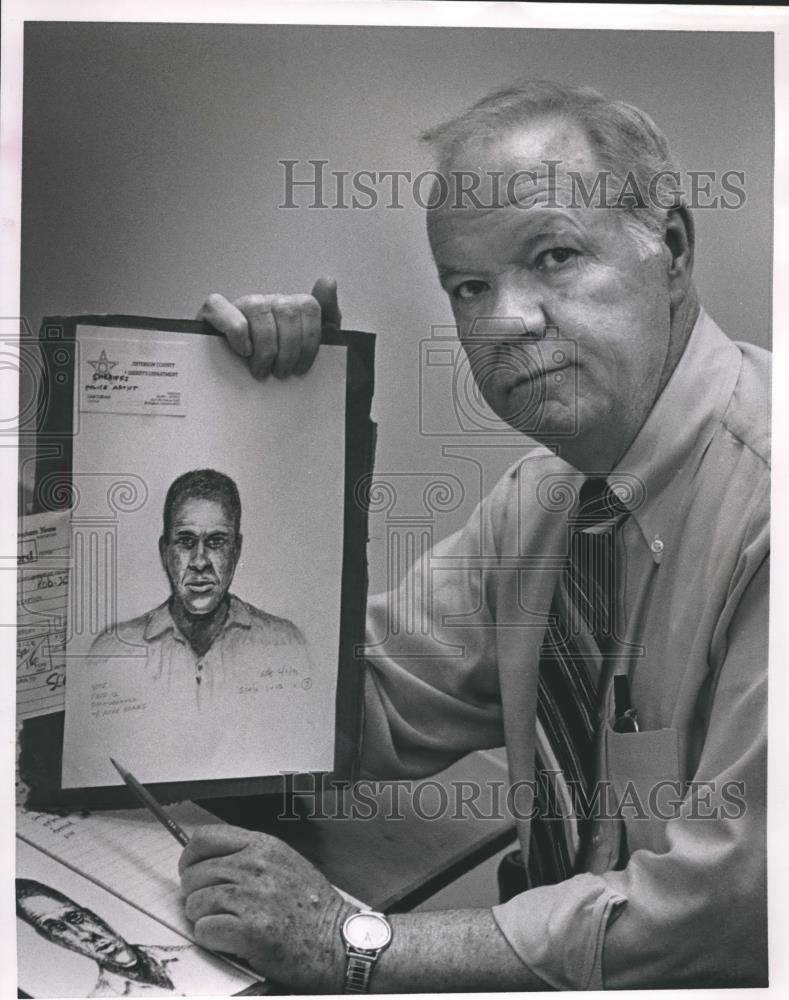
[365, 934]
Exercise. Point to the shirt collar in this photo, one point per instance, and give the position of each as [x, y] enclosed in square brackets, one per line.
[160, 620]
[653, 474]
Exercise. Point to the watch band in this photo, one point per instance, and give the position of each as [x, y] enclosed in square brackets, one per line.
[358, 971]
[366, 934]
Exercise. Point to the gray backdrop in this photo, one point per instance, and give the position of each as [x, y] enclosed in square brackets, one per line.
[151, 177]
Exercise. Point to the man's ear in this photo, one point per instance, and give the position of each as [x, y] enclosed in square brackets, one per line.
[162, 548]
[239, 540]
[680, 238]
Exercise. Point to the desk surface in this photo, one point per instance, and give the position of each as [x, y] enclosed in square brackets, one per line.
[398, 857]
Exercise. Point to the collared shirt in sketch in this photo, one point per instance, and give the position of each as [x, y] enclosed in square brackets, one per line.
[674, 895]
[254, 649]
[157, 977]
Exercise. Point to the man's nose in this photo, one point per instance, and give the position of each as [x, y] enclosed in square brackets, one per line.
[520, 309]
[199, 556]
[89, 935]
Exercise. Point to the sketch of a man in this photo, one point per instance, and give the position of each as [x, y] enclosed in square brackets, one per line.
[123, 968]
[203, 634]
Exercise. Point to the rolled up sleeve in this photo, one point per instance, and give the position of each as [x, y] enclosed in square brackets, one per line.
[558, 930]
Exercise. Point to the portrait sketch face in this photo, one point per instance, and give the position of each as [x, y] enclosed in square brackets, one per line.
[201, 541]
[76, 939]
[72, 926]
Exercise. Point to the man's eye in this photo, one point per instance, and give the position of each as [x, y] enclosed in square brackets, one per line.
[75, 917]
[556, 257]
[185, 542]
[216, 542]
[56, 926]
[470, 289]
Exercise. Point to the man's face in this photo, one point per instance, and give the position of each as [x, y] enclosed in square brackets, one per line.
[78, 929]
[200, 554]
[514, 269]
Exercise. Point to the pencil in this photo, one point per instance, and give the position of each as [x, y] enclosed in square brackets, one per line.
[150, 803]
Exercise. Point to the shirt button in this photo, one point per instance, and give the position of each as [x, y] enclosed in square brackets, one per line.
[657, 546]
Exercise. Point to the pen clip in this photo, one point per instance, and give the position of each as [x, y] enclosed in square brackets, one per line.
[625, 716]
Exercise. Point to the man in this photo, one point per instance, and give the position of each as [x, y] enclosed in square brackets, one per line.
[668, 413]
[123, 968]
[204, 635]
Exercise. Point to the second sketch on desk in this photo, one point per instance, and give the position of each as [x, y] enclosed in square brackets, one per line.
[203, 636]
[123, 969]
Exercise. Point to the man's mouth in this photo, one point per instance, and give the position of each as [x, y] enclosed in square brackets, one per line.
[535, 373]
[200, 586]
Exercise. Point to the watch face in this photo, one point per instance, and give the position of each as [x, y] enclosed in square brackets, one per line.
[367, 930]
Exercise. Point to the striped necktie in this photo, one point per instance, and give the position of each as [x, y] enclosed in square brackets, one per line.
[570, 661]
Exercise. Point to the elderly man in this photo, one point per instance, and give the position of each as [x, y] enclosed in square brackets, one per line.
[612, 591]
[204, 635]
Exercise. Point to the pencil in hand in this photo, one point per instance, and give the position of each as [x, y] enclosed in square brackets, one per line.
[151, 804]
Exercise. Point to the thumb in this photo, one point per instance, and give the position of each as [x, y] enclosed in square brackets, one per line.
[325, 291]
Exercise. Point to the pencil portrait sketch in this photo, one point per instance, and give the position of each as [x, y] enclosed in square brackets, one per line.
[203, 631]
[122, 968]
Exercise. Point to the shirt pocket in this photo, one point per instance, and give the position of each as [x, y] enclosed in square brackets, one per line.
[643, 769]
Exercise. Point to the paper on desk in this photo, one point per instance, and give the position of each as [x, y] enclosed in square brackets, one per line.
[126, 851]
[43, 561]
[78, 960]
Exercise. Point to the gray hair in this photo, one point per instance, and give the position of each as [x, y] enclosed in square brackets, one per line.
[627, 142]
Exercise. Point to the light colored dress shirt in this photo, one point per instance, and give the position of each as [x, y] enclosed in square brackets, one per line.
[673, 888]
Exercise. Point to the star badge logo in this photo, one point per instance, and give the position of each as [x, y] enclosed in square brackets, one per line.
[102, 366]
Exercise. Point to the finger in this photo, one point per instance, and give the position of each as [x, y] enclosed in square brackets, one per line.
[212, 899]
[287, 315]
[310, 334]
[212, 871]
[221, 932]
[325, 291]
[229, 320]
[217, 840]
[262, 331]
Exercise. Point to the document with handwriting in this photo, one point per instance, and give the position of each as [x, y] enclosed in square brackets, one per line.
[43, 566]
[127, 851]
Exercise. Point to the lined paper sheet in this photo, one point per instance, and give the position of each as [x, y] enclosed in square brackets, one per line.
[126, 851]
[43, 566]
[49, 968]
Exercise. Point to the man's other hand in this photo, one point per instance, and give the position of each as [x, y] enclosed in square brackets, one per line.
[251, 895]
[278, 334]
